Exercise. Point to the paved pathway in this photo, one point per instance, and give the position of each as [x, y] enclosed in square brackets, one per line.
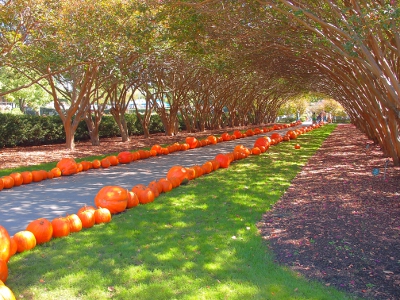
[66, 194]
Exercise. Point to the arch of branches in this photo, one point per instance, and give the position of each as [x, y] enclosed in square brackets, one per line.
[206, 57]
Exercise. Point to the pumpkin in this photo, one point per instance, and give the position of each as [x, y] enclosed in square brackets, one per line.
[60, 227]
[4, 244]
[226, 137]
[153, 153]
[233, 137]
[262, 141]
[41, 229]
[191, 173]
[223, 159]
[237, 134]
[249, 132]
[165, 151]
[113, 160]
[44, 174]
[75, 223]
[3, 270]
[185, 146]
[166, 185]
[124, 157]
[212, 140]
[174, 181]
[146, 196]
[87, 218]
[133, 200]
[5, 292]
[56, 172]
[135, 155]
[102, 215]
[50, 175]
[25, 240]
[192, 142]
[143, 154]
[178, 172]
[157, 148]
[276, 136]
[18, 180]
[198, 170]
[26, 177]
[156, 186]
[113, 197]
[105, 163]
[138, 188]
[256, 151]
[68, 166]
[37, 176]
[8, 182]
[215, 164]
[208, 167]
[297, 146]
[96, 163]
[86, 165]
[80, 167]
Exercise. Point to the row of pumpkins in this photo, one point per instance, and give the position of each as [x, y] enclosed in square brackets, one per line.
[115, 199]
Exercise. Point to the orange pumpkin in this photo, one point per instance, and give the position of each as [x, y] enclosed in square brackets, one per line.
[157, 148]
[68, 166]
[26, 177]
[87, 218]
[178, 172]
[174, 181]
[124, 157]
[133, 200]
[215, 164]
[44, 174]
[237, 134]
[102, 215]
[192, 142]
[75, 223]
[249, 132]
[226, 137]
[25, 240]
[207, 167]
[113, 197]
[297, 146]
[191, 173]
[4, 244]
[165, 151]
[223, 159]
[50, 175]
[3, 271]
[41, 229]
[8, 182]
[166, 185]
[155, 185]
[18, 180]
[113, 160]
[184, 147]
[262, 141]
[37, 176]
[105, 163]
[146, 196]
[13, 247]
[60, 227]
[256, 151]
[212, 140]
[86, 165]
[83, 208]
[56, 172]
[96, 163]
[5, 292]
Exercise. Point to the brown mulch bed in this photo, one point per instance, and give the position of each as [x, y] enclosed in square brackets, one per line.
[338, 222]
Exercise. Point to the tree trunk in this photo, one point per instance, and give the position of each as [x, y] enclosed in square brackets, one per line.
[69, 136]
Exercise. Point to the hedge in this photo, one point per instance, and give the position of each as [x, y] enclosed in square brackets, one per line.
[28, 130]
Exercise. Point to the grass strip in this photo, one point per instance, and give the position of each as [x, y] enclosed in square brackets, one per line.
[199, 241]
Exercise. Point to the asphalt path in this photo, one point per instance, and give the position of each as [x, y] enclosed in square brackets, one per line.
[66, 194]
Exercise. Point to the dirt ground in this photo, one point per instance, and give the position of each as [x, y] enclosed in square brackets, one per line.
[339, 222]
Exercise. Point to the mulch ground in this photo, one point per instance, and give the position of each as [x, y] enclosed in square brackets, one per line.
[339, 222]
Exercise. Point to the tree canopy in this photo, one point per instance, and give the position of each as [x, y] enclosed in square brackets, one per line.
[249, 57]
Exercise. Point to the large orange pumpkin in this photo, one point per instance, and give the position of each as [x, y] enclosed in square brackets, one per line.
[26, 177]
[166, 185]
[5, 292]
[8, 182]
[37, 176]
[223, 159]
[41, 229]
[192, 142]
[226, 137]
[60, 227]
[178, 172]
[124, 157]
[3, 271]
[4, 244]
[25, 240]
[68, 166]
[212, 140]
[105, 163]
[113, 160]
[262, 141]
[113, 197]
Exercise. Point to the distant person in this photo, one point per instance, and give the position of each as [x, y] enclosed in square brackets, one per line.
[314, 118]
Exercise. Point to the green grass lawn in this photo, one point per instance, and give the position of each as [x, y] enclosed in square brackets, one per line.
[199, 241]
